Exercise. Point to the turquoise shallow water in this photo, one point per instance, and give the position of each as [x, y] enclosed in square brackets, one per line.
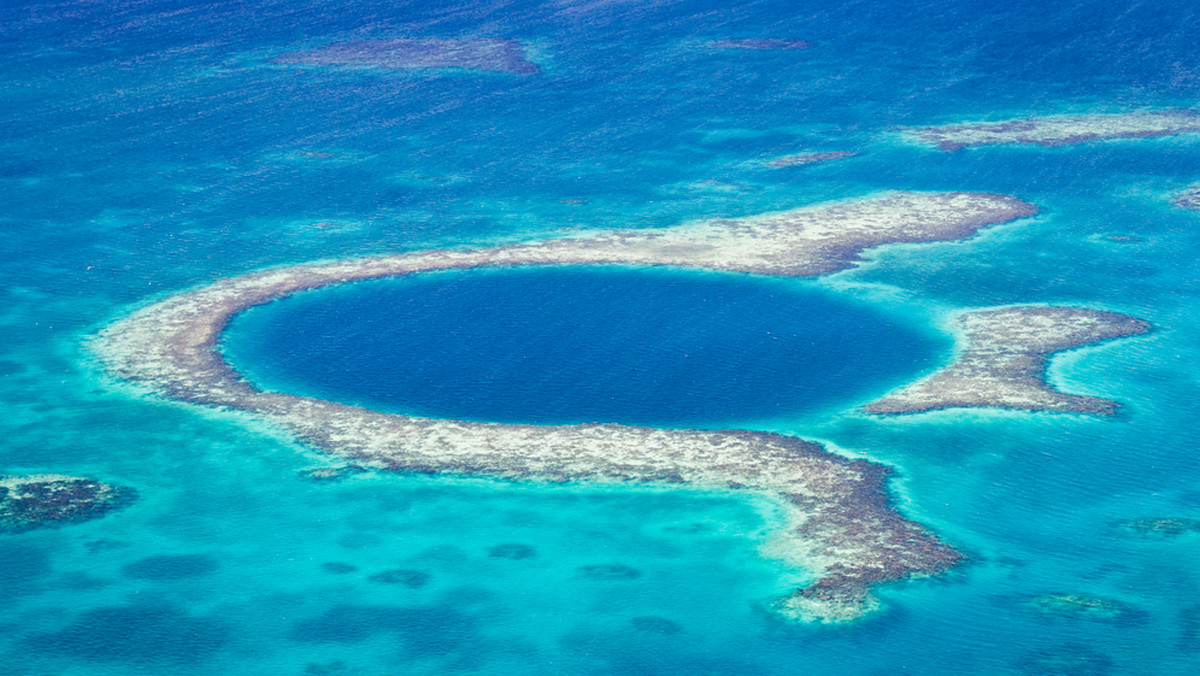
[151, 147]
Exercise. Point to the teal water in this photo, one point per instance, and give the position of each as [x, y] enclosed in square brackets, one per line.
[575, 345]
[150, 147]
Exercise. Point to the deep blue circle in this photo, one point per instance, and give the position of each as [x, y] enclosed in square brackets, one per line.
[579, 344]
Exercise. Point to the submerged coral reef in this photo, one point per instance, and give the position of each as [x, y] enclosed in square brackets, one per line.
[1082, 606]
[1003, 361]
[1189, 199]
[47, 500]
[1059, 130]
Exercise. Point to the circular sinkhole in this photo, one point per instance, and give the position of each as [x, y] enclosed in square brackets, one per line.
[564, 345]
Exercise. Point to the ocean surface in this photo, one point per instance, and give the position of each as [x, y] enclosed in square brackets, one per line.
[151, 147]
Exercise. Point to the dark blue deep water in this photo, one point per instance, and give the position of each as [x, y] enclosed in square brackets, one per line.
[573, 345]
[151, 146]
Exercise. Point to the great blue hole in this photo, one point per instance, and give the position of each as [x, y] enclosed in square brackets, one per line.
[562, 345]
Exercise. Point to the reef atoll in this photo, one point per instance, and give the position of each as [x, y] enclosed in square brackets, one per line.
[485, 54]
[47, 500]
[1059, 130]
[839, 520]
[1003, 361]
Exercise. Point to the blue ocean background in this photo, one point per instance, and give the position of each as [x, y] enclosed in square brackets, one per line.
[151, 147]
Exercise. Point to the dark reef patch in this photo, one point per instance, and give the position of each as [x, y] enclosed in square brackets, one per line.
[338, 568]
[1189, 634]
[413, 579]
[512, 551]
[429, 629]
[1080, 606]
[151, 634]
[47, 500]
[610, 571]
[169, 568]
